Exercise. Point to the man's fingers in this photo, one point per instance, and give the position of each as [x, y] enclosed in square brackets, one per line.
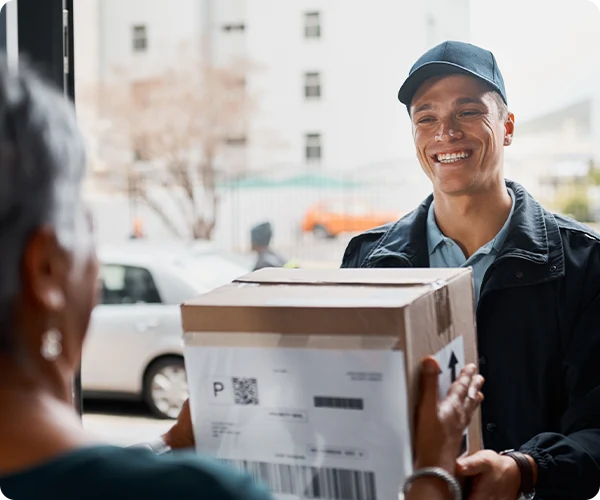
[461, 386]
[474, 396]
[477, 382]
[472, 466]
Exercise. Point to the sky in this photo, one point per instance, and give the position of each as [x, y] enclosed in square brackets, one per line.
[548, 51]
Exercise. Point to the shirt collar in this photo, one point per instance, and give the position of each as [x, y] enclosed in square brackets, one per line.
[435, 237]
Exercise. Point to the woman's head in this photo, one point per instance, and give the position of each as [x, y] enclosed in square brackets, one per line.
[48, 268]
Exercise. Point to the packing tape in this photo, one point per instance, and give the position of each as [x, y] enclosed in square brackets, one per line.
[443, 311]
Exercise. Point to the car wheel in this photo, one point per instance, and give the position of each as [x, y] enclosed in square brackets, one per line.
[321, 232]
[165, 387]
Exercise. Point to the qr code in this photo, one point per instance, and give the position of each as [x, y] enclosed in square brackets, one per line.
[245, 391]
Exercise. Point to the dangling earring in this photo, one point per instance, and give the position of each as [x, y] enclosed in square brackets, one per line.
[51, 346]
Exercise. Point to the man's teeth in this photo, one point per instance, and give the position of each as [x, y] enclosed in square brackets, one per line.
[452, 157]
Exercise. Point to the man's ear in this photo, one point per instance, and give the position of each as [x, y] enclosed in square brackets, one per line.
[509, 129]
[45, 269]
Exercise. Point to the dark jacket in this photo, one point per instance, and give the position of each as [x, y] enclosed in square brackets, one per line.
[538, 322]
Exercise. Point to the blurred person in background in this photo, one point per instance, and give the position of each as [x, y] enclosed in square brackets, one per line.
[137, 230]
[260, 237]
[536, 277]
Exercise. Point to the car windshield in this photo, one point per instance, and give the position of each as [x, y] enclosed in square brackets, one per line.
[207, 271]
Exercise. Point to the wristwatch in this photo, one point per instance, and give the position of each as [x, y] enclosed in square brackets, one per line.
[527, 488]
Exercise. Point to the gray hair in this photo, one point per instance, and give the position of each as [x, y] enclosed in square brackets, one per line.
[42, 165]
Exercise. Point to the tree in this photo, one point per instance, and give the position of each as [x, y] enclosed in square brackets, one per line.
[594, 173]
[166, 134]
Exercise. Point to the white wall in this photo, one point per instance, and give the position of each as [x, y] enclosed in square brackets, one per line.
[226, 45]
[364, 54]
[86, 32]
[104, 43]
[86, 15]
[168, 23]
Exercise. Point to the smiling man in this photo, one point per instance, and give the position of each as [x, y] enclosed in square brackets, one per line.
[536, 277]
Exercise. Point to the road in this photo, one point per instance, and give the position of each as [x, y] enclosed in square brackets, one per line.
[122, 423]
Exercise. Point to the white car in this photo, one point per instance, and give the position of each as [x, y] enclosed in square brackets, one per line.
[134, 348]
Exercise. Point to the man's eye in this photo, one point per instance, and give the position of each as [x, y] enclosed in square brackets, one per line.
[470, 113]
[425, 120]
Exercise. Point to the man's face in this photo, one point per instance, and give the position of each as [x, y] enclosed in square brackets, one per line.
[459, 134]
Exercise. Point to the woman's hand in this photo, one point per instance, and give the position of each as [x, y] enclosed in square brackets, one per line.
[441, 424]
[181, 435]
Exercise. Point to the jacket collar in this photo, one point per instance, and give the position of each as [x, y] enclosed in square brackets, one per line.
[533, 234]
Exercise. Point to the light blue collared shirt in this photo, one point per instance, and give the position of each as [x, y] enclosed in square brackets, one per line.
[444, 252]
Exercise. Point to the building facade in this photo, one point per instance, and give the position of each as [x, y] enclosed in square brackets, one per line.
[325, 74]
[328, 73]
[324, 77]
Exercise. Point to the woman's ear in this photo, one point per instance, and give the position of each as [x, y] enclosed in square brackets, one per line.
[45, 268]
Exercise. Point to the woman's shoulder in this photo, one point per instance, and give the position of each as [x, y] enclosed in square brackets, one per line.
[110, 472]
[189, 473]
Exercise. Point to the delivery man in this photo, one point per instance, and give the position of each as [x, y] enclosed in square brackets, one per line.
[536, 275]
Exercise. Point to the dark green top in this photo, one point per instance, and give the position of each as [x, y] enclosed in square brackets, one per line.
[107, 473]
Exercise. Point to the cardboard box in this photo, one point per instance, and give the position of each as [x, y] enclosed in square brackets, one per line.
[308, 379]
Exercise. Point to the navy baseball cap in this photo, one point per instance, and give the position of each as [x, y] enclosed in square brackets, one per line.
[453, 58]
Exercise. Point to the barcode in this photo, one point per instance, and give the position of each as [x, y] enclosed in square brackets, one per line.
[339, 403]
[311, 482]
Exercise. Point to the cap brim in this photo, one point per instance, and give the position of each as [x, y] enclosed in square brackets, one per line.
[429, 70]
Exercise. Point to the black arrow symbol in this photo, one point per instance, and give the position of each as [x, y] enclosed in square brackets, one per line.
[452, 365]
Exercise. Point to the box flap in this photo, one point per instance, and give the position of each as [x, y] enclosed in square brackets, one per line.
[363, 277]
[300, 309]
[302, 295]
[316, 302]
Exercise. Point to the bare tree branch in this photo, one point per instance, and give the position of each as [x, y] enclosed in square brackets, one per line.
[170, 131]
[143, 195]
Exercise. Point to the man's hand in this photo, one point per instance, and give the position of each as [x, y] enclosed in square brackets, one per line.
[181, 435]
[441, 424]
[495, 477]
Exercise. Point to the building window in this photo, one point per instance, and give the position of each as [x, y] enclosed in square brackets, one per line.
[313, 148]
[312, 85]
[236, 141]
[312, 25]
[234, 27]
[140, 39]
